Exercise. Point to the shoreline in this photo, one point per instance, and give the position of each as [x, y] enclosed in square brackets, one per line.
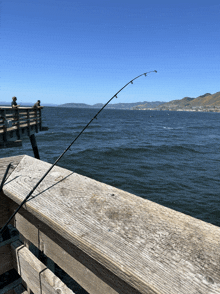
[183, 110]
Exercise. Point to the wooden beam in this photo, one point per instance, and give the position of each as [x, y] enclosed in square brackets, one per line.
[35, 274]
[12, 132]
[5, 202]
[147, 246]
[16, 123]
[6, 258]
[4, 129]
[83, 269]
[5, 205]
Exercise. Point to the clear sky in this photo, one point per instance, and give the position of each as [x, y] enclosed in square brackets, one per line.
[84, 51]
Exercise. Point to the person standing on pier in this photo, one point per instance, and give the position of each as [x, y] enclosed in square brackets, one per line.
[37, 104]
[14, 103]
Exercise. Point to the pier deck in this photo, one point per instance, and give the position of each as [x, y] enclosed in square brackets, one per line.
[106, 239]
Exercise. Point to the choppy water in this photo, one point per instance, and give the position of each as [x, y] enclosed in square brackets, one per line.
[171, 158]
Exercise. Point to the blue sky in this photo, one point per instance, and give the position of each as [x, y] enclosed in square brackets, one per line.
[85, 51]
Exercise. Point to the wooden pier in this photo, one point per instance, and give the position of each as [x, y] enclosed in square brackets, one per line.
[16, 123]
[107, 240]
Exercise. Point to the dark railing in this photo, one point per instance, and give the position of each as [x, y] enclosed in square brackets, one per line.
[18, 122]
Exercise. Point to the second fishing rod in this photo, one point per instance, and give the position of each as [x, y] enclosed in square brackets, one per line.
[47, 172]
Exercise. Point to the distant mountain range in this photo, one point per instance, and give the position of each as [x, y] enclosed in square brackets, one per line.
[202, 102]
[112, 106]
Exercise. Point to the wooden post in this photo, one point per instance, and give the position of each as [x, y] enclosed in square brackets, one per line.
[36, 121]
[3, 114]
[28, 122]
[40, 119]
[6, 262]
[17, 119]
[34, 146]
[35, 274]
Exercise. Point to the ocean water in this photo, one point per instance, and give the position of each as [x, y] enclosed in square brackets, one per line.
[172, 158]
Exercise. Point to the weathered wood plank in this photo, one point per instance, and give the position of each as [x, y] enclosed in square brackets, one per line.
[5, 202]
[17, 123]
[12, 132]
[152, 248]
[35, 274]
[4, 162]
[71, 264]
[5, 206]
[24, 125]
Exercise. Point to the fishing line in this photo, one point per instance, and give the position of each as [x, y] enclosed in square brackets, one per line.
[47, 172]
[5, 176]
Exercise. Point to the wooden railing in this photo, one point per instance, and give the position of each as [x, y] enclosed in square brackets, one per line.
[107, 240]
[18, 122]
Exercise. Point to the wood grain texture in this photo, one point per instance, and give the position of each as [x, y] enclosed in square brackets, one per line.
[85, 271]
[150, 247]
[4, 162]
[5, 203]
[5, 206]
[35, 274]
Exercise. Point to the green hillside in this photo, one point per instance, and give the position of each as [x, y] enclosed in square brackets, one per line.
[203, 100]
[207, 100]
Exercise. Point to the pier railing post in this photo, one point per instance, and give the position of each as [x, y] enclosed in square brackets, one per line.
[34, 146]
[17, 119]
[3, 115]
[40, 119]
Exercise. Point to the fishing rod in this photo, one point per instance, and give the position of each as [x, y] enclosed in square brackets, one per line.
[47, 172]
